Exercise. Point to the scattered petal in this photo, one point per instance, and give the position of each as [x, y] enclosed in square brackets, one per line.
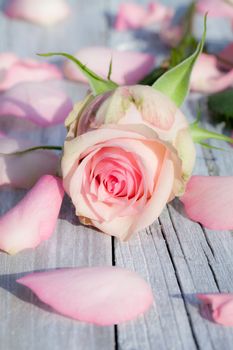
[215, 8]
[42, 103]
[16, 71]
[41, 12]
[92, 294]
[127, 67]
[209, 200]
[33, 219]
[134, 16]
[208, 77]
[22, 171]
[217, 307]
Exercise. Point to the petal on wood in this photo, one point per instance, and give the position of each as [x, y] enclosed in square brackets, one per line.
[217, 307]
[134, 16]
[21, 71]
[209, 200]
[23, 170]
[34, 218]
[99, 295]
[43, 12]
[42, 103]
[128, 67]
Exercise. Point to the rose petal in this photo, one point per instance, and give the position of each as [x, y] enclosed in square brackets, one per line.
[7, 59]
[42, 12]
[92, 294]
[209, 200]
[219, 306]
[215, 8]
[128, 67]
[207, 77]
[33, 219]
[133, 16]
[22, 171]
[42, 103]
[226, 57]
[26, 70]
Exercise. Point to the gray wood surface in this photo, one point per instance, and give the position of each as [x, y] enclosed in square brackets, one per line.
[176, 256]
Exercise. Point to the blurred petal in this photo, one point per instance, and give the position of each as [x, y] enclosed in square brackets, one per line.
[44, 12]
[42, 103]
[217, 307]
[33, 219]
[209, 200]
[215, 8]
[207, 77]
[7, 59]
[22, 171]
[27, 70]
[226, 57]
[92, 294]
[133, 16]
[127, 67]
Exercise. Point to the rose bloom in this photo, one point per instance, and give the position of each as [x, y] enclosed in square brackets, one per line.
[127, 153]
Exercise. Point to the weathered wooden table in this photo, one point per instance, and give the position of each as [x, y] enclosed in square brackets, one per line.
[176, 256]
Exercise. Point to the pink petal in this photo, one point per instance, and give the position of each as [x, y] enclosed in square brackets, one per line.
[133, 16]
[22, 171]
[44, 12]
[220, 307]
[227, 57]
[33, 219]
[209, 200]
[127, 67]
[207, 77]
[99, 295]
[215, 8]
[42, 103]
[7, 59]
[27, 70]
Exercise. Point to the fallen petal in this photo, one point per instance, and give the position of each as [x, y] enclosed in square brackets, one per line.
[27, 70]
[42, 12]
[208, 77]
[127, 67]
[134, 16]
[23, 170]
[42, 103]
[99, 295]
[209, 200]
[34, 218]
[218, 306]
[215, 8]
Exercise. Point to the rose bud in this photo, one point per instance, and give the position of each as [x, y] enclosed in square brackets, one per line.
[137, 105]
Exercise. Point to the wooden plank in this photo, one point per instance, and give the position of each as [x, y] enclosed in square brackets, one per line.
[25, 323]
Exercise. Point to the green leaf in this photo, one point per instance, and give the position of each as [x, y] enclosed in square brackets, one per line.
[221, 107]
[98, 84]
[200, 134]
[175, 82]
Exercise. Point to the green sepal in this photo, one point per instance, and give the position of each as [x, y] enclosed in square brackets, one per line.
[175, 82]
[200, 134]
[97, 83]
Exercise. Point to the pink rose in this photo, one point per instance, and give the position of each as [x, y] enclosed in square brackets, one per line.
[120, 164]
[138, 105]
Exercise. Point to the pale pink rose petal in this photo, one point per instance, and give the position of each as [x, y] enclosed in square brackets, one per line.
[226, 57]
[7, 59]
[218, 306]
[128, 67]
[207, 77]
[27, 70]
[22, 171]
[43, 12]
[209, 200]
[215, 8]
[34, 218]
[134, 16]
[42, 103]
[99, 295]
